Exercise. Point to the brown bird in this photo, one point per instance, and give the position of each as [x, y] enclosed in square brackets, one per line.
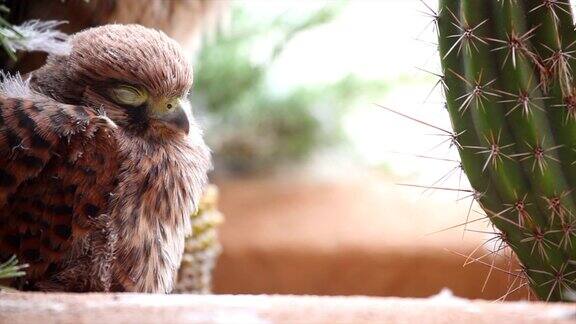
[101, 164]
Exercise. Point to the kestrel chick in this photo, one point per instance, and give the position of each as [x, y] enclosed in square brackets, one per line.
[101, 164]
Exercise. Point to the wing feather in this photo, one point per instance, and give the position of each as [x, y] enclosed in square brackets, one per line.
[58, 167]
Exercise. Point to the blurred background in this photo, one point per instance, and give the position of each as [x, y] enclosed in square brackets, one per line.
[312, 172]
[309, 165]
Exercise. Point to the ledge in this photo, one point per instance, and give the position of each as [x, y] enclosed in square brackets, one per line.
[142, 308]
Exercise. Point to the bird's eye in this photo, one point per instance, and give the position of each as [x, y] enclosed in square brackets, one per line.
[171, 105]
[128, 95]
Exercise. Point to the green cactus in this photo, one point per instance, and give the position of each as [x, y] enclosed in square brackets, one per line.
[202, 248]
[509, 83]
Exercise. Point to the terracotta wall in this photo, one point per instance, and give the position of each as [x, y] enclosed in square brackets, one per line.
[360, 236]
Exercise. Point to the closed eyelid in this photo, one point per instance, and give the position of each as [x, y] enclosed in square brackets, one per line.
[129, 95]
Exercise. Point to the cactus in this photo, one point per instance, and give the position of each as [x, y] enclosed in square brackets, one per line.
[202, 247]
[508, 70]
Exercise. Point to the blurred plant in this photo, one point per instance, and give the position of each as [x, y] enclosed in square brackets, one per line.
[11, 269]
[202, 248]
[252, 128]
[33, 35]
[7, 32]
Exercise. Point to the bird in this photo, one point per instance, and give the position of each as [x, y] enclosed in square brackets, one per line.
[101, 164]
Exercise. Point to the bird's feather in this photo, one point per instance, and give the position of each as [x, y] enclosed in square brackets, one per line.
[57, 169]
[91, 204]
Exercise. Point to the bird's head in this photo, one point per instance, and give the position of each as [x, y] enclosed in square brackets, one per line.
[140, 76]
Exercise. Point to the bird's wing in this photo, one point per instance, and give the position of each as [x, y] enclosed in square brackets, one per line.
[58, 165]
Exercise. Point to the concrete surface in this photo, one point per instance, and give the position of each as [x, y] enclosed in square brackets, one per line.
[138, 308]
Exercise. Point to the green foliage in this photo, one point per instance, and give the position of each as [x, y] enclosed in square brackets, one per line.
[508, 70]
[11, 269]
[251, 127]
[7, 33]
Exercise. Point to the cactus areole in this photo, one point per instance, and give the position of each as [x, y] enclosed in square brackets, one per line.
[509, 74]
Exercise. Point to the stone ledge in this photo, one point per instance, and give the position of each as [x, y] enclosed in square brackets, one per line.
[142, 308]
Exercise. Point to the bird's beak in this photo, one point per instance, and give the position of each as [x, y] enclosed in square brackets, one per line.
[178, 118]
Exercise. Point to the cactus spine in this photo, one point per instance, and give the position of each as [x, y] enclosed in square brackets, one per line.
[509, 74]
